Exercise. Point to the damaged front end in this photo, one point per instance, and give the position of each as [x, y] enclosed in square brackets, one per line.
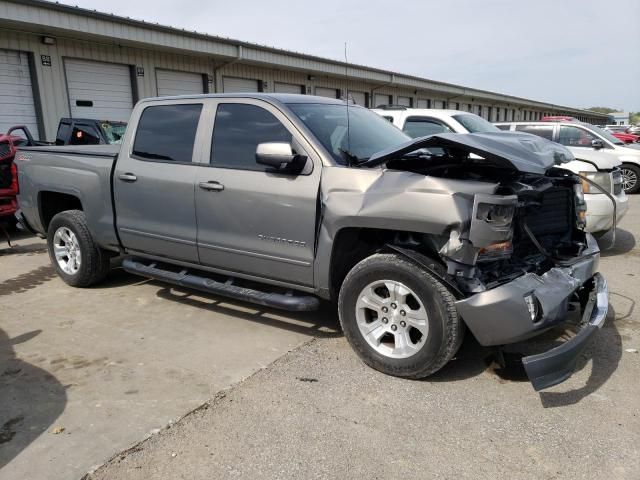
[522, 260]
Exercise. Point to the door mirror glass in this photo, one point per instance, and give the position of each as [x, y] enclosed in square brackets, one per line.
[597, 143]
[279, 155]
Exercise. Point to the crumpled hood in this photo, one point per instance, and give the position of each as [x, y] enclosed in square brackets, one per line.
[520, 151]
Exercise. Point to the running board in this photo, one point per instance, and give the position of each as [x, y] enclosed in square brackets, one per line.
[289, 302]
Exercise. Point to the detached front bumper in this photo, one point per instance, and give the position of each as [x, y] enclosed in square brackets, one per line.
[502, 315]
[555, 366]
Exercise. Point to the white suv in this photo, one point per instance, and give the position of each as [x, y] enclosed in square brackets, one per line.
[589, 143]
[417, 122]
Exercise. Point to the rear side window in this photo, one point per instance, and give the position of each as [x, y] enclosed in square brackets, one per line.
[504, 127]
[167, 133]
[421, 127]
[84, 135]
[237, 131]
[544, 131]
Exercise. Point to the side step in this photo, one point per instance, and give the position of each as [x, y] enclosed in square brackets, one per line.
[293, 303]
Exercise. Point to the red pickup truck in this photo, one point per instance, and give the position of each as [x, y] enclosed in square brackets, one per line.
[9, 142]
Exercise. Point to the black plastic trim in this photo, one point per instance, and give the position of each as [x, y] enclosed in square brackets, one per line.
[293, 303]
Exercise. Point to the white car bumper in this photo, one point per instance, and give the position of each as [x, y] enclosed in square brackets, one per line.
[600, 211]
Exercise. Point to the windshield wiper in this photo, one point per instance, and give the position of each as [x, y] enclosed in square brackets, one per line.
[351, 159]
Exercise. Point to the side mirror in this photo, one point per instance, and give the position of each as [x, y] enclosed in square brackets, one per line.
[279, 155]
[597, 143]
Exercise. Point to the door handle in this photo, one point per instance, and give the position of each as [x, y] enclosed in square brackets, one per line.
[211, 186]
[127, 177]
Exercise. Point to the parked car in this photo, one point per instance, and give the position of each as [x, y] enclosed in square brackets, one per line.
[87, 131]
[589, 144]
[293, 198]
[621, 133]
[421, 122]
[9, 142]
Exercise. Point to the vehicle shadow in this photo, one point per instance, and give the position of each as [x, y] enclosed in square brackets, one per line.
[605, 352]
[30, 399]
[625, 242]
[322, 323]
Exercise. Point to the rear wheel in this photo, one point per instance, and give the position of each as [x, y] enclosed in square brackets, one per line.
[399, 318]
[78, 260]
[630, 178]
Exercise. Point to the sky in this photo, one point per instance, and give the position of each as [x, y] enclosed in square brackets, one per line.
[579, 53]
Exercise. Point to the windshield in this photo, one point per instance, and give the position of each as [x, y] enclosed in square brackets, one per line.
[368, 132]
[114, 132]
[475, 124]
[606, 135]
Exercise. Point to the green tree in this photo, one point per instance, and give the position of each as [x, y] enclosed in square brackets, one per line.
[604, 109]
[634, 118]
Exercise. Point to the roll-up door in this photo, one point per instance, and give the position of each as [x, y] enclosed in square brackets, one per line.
[17, 106]
[360, 98]
[99, 90]
[170, 82]
[327, 92]
[240, 85]
[380, 99]
[423, 103]
[404, 101]
[280, 87]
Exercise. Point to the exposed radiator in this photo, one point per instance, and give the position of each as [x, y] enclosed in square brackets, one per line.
[554, 215]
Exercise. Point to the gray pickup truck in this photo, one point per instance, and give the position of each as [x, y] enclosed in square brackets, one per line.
[284, 200]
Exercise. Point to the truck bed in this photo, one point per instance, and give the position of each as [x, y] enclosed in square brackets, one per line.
[80, 174]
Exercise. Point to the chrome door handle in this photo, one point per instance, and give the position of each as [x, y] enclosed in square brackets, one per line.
[127, 177]
[211, 186]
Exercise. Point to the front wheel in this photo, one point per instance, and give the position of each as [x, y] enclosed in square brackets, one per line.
[630, 178]
[78, 260]
[399, 318]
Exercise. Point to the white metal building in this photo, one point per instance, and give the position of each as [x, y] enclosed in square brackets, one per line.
[59, 61]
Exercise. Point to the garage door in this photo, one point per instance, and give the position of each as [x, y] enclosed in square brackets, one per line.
[424, 103]
[16, 93]
[404, 101]
[99, 90]
[360, 98]
[326, 92]
[240, 85]
[170, 82]
[380, 99]
[288, 88]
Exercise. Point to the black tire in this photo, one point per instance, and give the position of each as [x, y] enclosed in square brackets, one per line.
[632, 169]
[94, 265]
[445, 328]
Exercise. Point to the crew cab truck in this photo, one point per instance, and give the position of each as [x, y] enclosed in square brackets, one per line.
[283, 200]
[603, 186]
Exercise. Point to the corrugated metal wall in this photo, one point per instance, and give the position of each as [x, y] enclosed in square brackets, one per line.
[52, 89]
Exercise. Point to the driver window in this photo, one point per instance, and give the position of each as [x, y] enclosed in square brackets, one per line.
[237, 131]
[421, 127]
[575, 137]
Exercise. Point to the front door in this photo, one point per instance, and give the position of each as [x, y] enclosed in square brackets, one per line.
[251, 218]
[154, 183]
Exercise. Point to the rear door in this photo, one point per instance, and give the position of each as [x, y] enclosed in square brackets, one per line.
[253, 219]
[154, 182]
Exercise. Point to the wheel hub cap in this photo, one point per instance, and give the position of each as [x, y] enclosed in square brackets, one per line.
[392, 319]
[629, 179]
[67, 250]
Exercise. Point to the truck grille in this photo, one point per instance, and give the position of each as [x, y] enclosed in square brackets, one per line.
[554, 215]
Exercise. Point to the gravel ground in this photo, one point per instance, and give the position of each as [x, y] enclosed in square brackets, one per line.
[318, 412]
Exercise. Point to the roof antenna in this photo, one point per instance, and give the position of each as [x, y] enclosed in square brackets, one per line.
[346, 78]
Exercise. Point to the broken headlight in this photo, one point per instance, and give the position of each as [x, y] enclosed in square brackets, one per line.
[491, 227]
[580, 206]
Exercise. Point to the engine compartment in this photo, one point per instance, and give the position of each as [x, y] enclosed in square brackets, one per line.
[544, 227]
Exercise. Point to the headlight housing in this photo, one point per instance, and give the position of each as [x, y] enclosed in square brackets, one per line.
[602, 179]
[580, 206]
